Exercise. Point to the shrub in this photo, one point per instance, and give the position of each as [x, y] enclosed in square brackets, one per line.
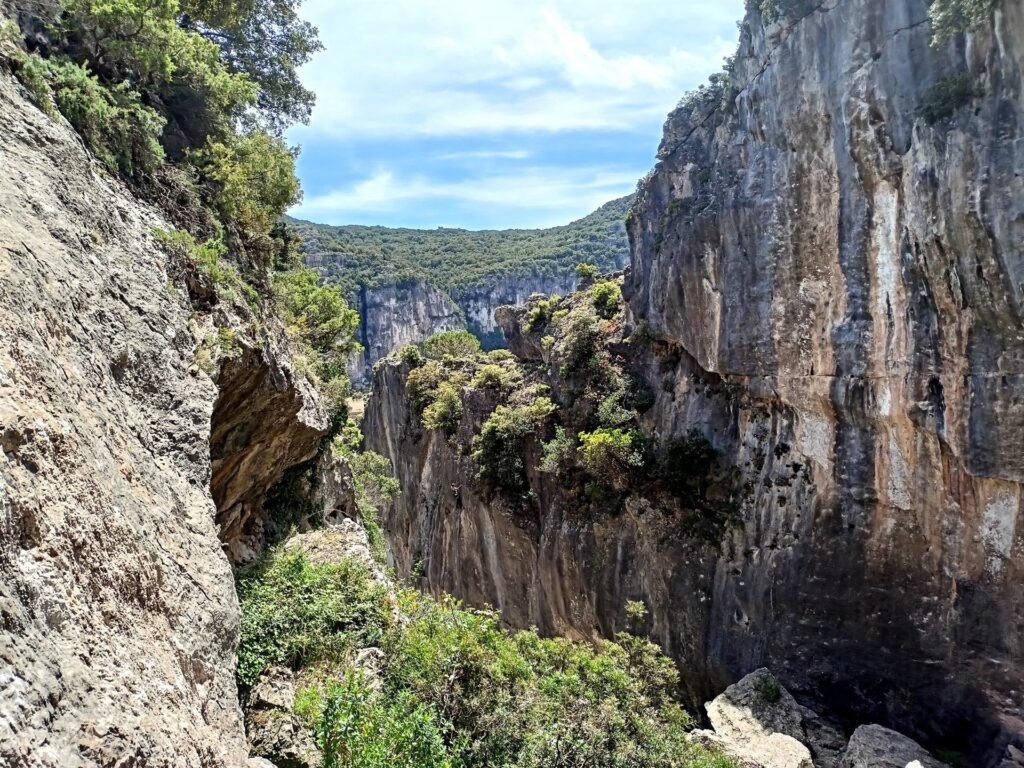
[951, 17]
[458, 343]
[422, 383]
[945, 97]
[612, 413]
[498, 449]
[768, 689]
[410, 355]
[518, 700]
[558, 452]
[586, 272]
[457, 688]
[115, 125]
[500, 355]
[541, 312]
[295, 613]
[611, 452]
[607, 296]
[445, 410]
[254, 176]
[357, 727]
[579, 343]
[495, 377]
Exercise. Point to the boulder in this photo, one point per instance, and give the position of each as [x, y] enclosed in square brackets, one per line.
[873, 746]
[757, 720]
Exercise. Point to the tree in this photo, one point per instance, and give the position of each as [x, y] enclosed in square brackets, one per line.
[266, 41]
[457, 343]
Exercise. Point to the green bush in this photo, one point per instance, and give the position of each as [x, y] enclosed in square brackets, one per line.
[947, 96]
[609, 453]
[496, 377]
[951, 17]
[458, 344]
[498, 449]
[578, 345]
[357, 727]
[457, 688]
[122, 132]
[558, 452]
[586, 271]
[373, 481]
[445, 410]
[410, 355]
[254, 179]
[422, 384]
[295, 613]
[607, 298]
[517, 700]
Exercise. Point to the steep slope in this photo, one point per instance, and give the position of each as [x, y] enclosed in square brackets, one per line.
[831, 286]
[120, 620]
[855, 271]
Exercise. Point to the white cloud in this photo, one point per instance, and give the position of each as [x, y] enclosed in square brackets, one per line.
[486, 154]
[561, 194]
[405, 68]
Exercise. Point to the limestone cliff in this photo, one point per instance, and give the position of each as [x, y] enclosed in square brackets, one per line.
[833, 288]
[407, 313]
[119, 618]
[398, 314]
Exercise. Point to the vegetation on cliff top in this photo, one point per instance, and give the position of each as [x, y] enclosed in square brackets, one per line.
[454, 259]
[454, 688]
[187, 101]
[572, 410]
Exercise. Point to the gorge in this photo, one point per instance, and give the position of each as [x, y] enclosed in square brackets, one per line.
[783, 432]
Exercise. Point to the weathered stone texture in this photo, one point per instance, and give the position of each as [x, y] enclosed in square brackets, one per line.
[118, 618]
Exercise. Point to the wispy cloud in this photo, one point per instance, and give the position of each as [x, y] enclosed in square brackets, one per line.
[405, 67]
[559, 192]
[486, 154]
[512, 111]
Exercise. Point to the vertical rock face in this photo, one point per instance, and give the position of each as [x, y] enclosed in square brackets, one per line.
[266, 419]
[856, 273]
[118, 618]
[394, 315]
[479, 304]
[835, 289]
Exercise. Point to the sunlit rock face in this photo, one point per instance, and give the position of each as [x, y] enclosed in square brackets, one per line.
[834, 286]
[118, 615]
[856, 274]
[394, 315]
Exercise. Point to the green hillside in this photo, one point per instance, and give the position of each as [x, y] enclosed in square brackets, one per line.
[454, 259]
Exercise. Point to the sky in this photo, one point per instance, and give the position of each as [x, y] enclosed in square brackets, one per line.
[494, 114]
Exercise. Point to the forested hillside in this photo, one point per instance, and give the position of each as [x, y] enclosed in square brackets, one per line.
[453, 259]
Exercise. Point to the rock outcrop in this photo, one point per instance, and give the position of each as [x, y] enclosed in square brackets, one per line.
[759, 724]
[853, 273]
[118, 617]
[392, 316]
[832, 286]
[873, 746]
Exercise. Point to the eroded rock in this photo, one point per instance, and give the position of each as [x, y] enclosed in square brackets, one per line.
[872, 746]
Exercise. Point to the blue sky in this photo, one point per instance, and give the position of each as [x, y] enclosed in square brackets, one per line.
[494, 114]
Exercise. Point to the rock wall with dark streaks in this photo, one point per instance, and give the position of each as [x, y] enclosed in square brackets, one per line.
[833, 287]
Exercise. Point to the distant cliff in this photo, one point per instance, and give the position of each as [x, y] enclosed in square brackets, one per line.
[410, 283]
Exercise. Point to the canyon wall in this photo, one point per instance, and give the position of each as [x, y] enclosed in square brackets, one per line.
[392, 316]
[118, 616]
[833, 288]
